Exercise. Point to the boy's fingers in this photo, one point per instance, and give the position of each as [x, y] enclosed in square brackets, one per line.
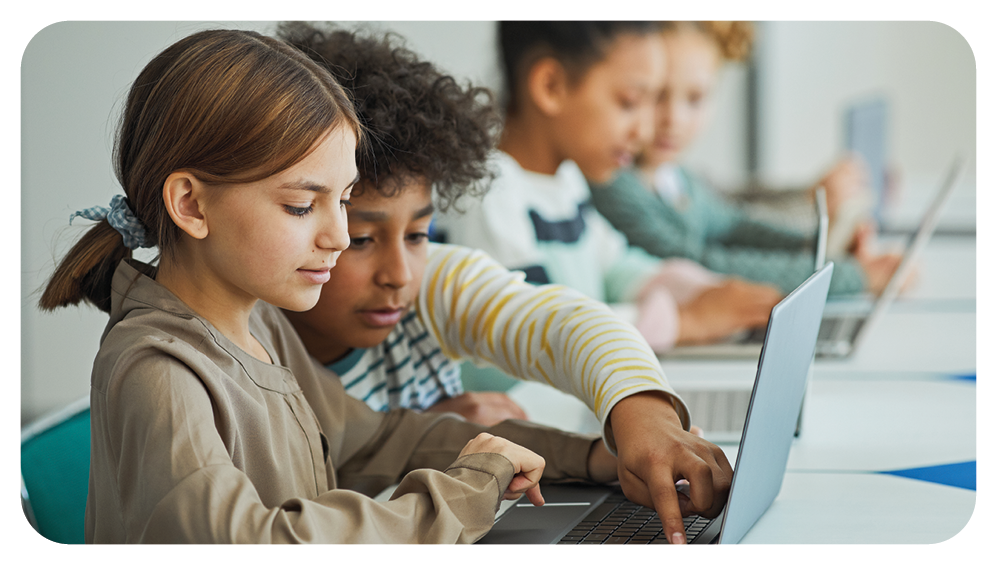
[701, 493]
[666, 504]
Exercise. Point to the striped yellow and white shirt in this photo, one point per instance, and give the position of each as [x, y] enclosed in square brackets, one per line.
[471, 308]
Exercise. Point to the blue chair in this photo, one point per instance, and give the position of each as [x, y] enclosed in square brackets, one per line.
[55, 472]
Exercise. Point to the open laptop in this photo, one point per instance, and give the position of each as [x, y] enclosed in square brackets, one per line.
[720, 404]
[847, 319]
[598, 514]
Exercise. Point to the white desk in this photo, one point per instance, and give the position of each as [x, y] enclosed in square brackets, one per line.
[892, 406]
[947, 270]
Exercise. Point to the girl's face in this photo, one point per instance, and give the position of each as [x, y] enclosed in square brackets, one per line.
[378, 277]
[684, 104]
[607, 115]
[276, 239]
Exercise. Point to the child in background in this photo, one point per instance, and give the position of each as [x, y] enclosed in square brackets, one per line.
[664, 209]
[210, 422]
[580, 104]
[397, 309]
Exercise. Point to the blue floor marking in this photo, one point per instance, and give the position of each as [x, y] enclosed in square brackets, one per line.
[970, 377]
[961, 475]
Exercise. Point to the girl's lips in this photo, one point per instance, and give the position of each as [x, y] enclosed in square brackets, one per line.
[382, 318]
[666, 144]
[320, 276]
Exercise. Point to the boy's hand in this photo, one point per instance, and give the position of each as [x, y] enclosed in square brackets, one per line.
[528, 465]
[485, 408]
[655, 453]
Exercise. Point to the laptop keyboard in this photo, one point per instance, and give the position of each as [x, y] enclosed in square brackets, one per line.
[617, 521]
[719, 410]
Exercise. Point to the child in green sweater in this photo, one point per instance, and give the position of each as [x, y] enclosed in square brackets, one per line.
[664, 209]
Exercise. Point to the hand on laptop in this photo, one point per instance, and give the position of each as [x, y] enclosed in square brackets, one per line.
[720, 311]
[528, 465]
[485, 408]
[654, 453]
[846, 182]
[878, 268]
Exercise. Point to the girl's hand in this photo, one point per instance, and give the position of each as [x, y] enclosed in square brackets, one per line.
[528, 465]
[602, 465]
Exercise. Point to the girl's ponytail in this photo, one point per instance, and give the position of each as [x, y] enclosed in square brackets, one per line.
[85, 272]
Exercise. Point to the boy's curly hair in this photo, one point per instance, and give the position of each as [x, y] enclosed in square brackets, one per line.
[421, 123]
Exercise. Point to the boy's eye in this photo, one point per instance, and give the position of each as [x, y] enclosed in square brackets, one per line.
[298, 210]
[417, 238]
[358, 242]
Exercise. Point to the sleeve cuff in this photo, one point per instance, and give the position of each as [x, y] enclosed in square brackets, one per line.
[498, 466]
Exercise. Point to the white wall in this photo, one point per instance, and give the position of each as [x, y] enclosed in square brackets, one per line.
[809, 71]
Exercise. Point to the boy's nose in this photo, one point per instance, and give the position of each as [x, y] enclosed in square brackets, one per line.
[395, 271]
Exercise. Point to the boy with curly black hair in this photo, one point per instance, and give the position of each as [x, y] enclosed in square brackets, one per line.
[398, 309]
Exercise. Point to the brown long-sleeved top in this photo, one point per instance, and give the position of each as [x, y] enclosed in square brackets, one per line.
[195, 440]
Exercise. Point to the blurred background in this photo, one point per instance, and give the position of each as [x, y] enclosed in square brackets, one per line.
[779, 120]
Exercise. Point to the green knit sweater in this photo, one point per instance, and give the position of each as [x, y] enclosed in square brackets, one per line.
[716, 234]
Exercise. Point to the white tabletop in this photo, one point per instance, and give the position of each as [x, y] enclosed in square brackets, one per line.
[906, 400]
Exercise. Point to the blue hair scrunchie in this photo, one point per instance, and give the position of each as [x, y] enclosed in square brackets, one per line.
[121, 218]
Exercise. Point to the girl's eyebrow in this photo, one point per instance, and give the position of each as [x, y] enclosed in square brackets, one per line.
[313, 186]
[305, 185]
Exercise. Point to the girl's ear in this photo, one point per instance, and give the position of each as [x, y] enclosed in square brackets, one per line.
[547, 84]
[183, 195]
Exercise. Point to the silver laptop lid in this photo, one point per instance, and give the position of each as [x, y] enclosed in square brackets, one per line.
[915, 245]
[780, 383]
[823, 225]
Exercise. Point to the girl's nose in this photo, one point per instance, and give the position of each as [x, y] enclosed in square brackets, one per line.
[333, 234]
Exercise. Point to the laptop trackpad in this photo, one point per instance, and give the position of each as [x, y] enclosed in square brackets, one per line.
[564, 507]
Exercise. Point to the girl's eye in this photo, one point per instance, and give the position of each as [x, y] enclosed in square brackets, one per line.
[299, 211]
[696, 98]
[344, 204]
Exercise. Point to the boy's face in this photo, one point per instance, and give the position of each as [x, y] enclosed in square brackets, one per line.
[608, 115]
[377, 278]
